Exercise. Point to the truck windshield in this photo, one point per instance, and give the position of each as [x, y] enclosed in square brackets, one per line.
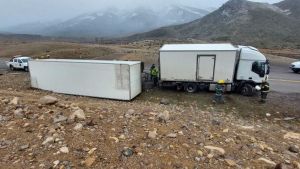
[259, 68]
[24, 60]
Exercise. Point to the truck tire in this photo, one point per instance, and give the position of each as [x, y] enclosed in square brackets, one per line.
[190, 87]
[296, 70]
[248, 90]
[26, 69]
[11, 67]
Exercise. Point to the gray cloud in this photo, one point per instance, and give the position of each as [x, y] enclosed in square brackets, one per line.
[13, 12]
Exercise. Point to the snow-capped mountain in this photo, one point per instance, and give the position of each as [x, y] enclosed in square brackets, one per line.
[241, 22]
[116, 23]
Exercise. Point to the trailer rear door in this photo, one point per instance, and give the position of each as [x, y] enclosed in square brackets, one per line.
[205, 67]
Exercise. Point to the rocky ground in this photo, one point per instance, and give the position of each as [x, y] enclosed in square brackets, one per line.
[159, 129]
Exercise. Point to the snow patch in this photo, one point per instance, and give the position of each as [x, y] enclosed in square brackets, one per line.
[287, 12]
[88, 18]
[191, 10]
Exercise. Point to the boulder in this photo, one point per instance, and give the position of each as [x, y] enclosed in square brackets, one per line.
[64, 150]
[272, 163]
[59, 119]
[218, 149]
[48, 100]
[164, 116]
[19, 113]
[152, 134]
[15, 101]
[78, 127]
[292, 135]
[164, 101]
[78, 113]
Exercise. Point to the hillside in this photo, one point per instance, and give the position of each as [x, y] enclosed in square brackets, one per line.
[238, 21]
[290, 7]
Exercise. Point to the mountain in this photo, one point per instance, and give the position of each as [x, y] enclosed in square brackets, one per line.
[239, 21]
[31, 28]
[115, 22]
[290, 7]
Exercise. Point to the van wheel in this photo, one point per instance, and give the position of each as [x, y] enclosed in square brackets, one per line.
[247, 90]
[190, 87]
[11, 67]
[26, 69]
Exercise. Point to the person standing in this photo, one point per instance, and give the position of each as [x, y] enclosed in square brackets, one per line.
[152, 67]
[154, 75]
[265, 89]
[219, 92]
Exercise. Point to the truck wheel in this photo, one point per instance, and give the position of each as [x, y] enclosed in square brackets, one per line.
[26, 69]
[11, 67]
[179, 87]
[247, 90]
[296, 70]
[190, 87]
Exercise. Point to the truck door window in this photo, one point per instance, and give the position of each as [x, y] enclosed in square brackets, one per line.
[268, 67]
[19, 61]
[259, 68]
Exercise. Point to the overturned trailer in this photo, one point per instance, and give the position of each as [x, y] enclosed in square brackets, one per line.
[201, 66]
[119, 80]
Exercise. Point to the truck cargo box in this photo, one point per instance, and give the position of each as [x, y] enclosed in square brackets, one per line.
[197, 62]
[119, 80]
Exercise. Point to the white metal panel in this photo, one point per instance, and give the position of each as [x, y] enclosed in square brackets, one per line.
[178, 66]
[206, 66]
[90, 61]
[182, 65]
[225, 66]
[96, 79]
[251, 54]
[135, 80]
[198, 47]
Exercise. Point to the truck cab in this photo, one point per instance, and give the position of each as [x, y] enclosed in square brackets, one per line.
[253, 68]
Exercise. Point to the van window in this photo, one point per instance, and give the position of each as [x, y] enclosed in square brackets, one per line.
[15, 60]
[19, 61]
[259, 68]
[24, 60]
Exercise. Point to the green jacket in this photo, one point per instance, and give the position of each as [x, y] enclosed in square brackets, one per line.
[219, 89]
[154, 72]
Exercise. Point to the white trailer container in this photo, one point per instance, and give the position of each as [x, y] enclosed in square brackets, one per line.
[119, 80]
[194, 66]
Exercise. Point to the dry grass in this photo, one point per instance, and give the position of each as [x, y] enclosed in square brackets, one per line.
[147, 52]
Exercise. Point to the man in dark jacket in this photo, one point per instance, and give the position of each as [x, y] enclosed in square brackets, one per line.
[265, 89]
[219, 92]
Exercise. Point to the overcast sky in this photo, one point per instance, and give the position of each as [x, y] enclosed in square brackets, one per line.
[14, 12]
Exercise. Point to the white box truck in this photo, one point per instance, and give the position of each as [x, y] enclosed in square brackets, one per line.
[119, 80]
[201, 66]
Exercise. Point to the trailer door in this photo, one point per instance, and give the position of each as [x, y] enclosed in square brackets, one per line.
[205, 67]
